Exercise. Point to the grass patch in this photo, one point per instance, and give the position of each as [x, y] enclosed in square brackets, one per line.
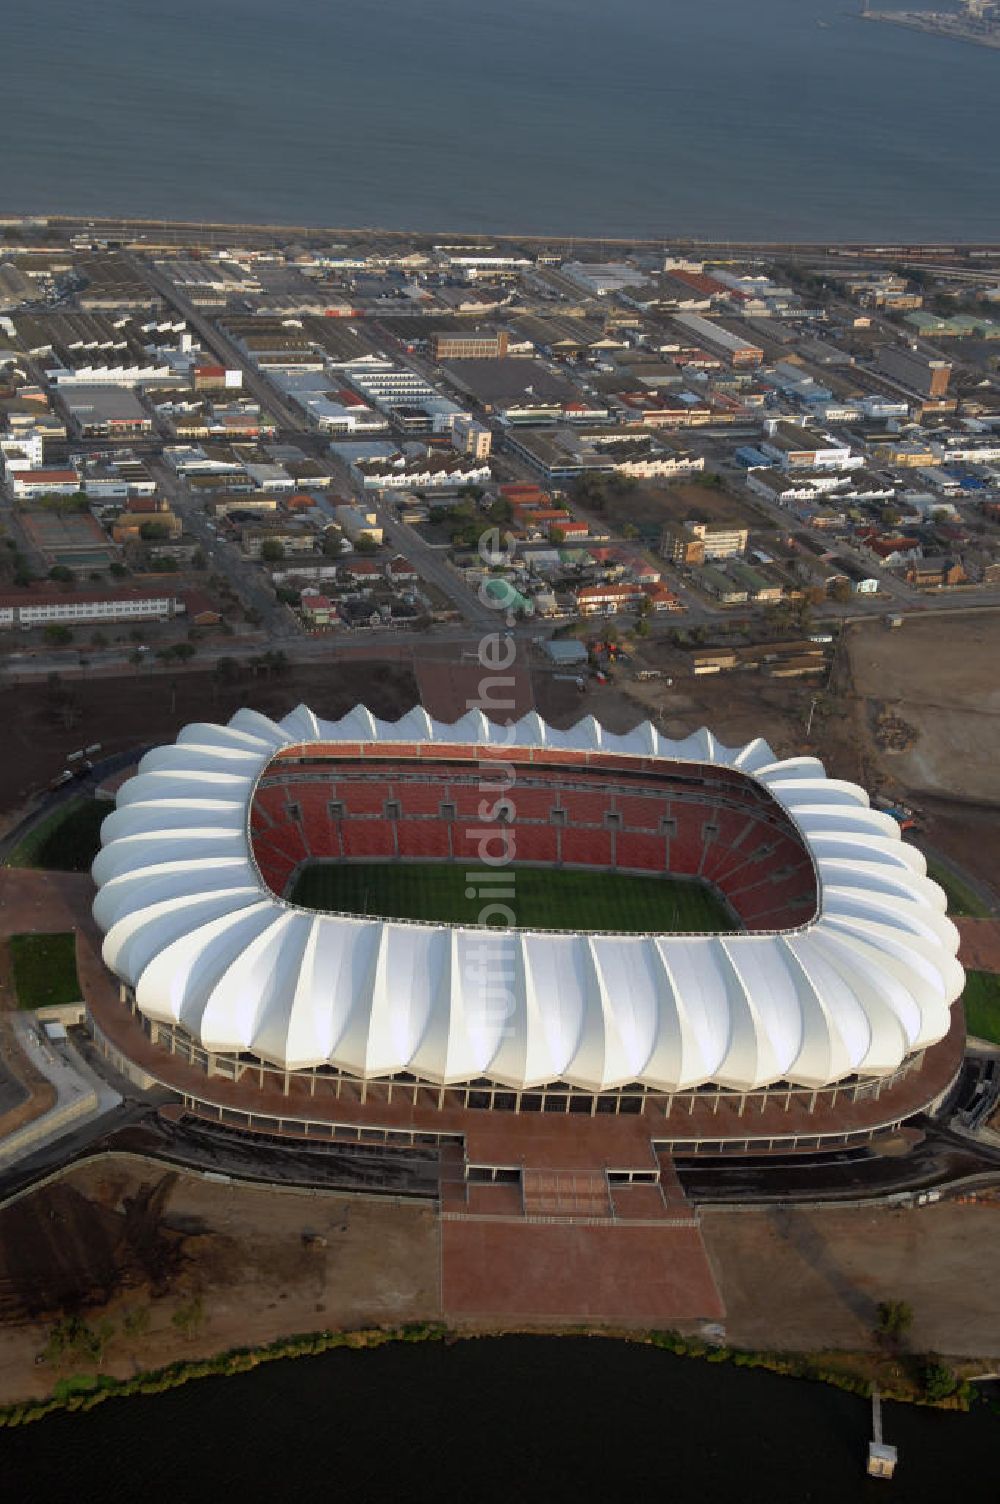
[543, 897]
[982, 1005]
[961, 898]
[67, 841]
[44, 970]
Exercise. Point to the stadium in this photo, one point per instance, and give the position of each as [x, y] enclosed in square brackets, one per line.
[494, 936]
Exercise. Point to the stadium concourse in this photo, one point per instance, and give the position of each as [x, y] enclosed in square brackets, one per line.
[818, 1017]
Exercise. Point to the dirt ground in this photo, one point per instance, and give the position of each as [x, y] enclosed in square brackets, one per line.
[734, 707]
[127, 1233]
[122, 712]
[812, 1278]
[940, 675]
[655, 503]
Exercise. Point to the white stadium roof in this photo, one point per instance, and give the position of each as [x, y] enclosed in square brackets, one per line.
[193, 928]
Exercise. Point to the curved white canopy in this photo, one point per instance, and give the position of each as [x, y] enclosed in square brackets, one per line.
[192, 927]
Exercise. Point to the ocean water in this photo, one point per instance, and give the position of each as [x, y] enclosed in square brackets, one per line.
[724, 118]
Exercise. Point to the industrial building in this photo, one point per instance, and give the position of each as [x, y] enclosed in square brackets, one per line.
[926, 375]
[39, 608]
[718, 340]
[106, 412]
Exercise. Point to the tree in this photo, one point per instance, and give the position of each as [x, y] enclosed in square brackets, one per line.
[189, 1317]
[333, 543]
[150, 532]
[629, 532]
[938, 1380]
[57, 635]
[893, 1320]
[60, 573]
[135, 1322]
[557, 536]
[642, 627]
[117, 568]
[365, 544]
[500, 511]
[272, 550]
[198, 559]
[840, 591]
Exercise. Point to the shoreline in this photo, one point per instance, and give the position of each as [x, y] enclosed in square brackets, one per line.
[682, 240]
[913, 21]
[86, 1391]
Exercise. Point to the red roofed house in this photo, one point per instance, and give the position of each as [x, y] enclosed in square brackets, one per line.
[299, 501]
[363, 570]
[569, 527]
[605, 600]
[318, 610]
[401, 571]
[662, 598]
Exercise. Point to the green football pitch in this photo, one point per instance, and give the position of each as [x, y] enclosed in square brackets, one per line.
[542, 898]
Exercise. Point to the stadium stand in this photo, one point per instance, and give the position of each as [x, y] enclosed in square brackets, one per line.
[694, 821]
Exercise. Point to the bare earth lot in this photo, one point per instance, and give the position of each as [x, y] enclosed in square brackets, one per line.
[136, 709]
[678, 501]
[812, 1278]
[942, 677]
[127, 1233]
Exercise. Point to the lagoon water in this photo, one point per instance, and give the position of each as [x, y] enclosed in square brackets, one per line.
[508, 1420]
[725, 118]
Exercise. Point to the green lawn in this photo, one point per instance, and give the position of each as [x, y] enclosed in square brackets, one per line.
[961, 899]
[67, 841]
[982, 1005]
[543, 897]
[44, 970]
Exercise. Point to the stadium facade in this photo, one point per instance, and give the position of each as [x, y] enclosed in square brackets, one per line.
[823, 1020]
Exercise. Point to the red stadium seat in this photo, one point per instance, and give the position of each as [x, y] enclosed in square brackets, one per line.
[590, 848]
[426, 839]
[368, 838]
[639, 851]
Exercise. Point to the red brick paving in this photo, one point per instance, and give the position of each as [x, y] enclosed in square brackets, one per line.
[626, 1274]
